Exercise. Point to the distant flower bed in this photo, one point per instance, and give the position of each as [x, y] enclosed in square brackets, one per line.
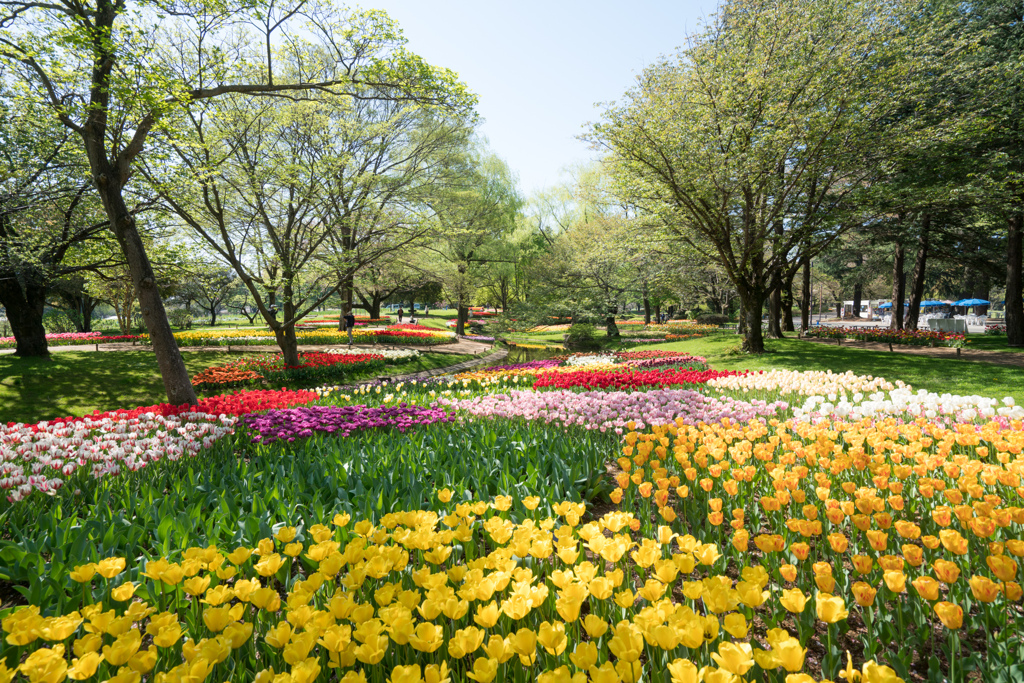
[77, 339]
[995, 329]
[316, 336]
[886, 335]
[238, 403]
[297, 423]
[271, 368]
[411, 326]
[617, 379]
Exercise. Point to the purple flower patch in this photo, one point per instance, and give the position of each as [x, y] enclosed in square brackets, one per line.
[297, 423]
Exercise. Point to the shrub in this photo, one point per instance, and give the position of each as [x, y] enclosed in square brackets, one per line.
[581, 336]
[180, 318]
[712, 319]
[58, 322]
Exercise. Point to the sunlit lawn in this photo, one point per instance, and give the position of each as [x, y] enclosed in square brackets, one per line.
[79, 382]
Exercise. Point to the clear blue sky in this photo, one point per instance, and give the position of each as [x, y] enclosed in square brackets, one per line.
[540, 67]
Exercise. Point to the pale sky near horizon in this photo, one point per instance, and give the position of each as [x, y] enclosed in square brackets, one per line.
[539, 68]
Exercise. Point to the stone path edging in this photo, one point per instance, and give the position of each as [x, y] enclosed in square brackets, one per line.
[458, 367]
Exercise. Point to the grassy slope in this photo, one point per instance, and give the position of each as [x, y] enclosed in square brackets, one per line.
[941, 375]
[79, 382]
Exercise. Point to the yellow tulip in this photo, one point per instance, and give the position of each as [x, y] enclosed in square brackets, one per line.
[406, 674]
[110, 567]
[551, 637]
[683, 671]
[84, 666]
[830, 609]
[736, 658]
[585, 656]
[484, 670]
[735, 624]
[123, 649]
[83, 573]
[793, 599]
[45, 665]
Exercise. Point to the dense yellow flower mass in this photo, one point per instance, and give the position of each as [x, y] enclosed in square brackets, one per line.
[463, 594]
[913, 518]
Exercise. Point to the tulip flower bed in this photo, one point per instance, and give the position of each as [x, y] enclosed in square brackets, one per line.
[47, 457]
[76, 339]
[612, 410]
[238, 403]
[296, 423]
[235, 491]
[945, 409]
[316, 337]
[888, 336]
[313, 366]
[632, 381]
[687, 361]
[912, 527]
[785, 382]
[410, 598]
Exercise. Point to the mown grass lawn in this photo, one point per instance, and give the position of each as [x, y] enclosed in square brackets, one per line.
[938, 374]
[79, 382]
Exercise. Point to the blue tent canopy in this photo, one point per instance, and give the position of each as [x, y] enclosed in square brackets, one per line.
[971, 302]
[930, 303]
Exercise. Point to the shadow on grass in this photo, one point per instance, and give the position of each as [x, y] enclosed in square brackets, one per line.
[79, 382]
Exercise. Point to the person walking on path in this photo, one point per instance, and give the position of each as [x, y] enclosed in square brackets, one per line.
[350, 323]
[400, 314]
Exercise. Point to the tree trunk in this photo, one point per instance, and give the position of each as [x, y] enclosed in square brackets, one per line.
[172, 366]
[741, 328]
[775, 309]
[347, 291]
[753, 304]
[289, 345]
[1014, 302]
[375, 308]
[917, 279]
[805, 296]
[25, 313]
[460, 321]
[611, 329]
[213, 315]
[657, 312]
[647, 311]
[285, 333]
[898, 286]
[787, 305]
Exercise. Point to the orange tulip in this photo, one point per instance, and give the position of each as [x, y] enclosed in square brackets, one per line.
[984, 589]
[953, 541]
[863, 564]
[1002, 566]
[926, 587]
[946, 571]
[864, 594]
[896, 580]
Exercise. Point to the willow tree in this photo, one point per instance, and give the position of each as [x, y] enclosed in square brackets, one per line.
[112, 71]
[740, 142]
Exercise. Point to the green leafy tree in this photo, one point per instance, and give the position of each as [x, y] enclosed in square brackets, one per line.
[742, 144]
[113, 72]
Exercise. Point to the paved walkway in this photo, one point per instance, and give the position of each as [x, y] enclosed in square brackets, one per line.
[1008, 358]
